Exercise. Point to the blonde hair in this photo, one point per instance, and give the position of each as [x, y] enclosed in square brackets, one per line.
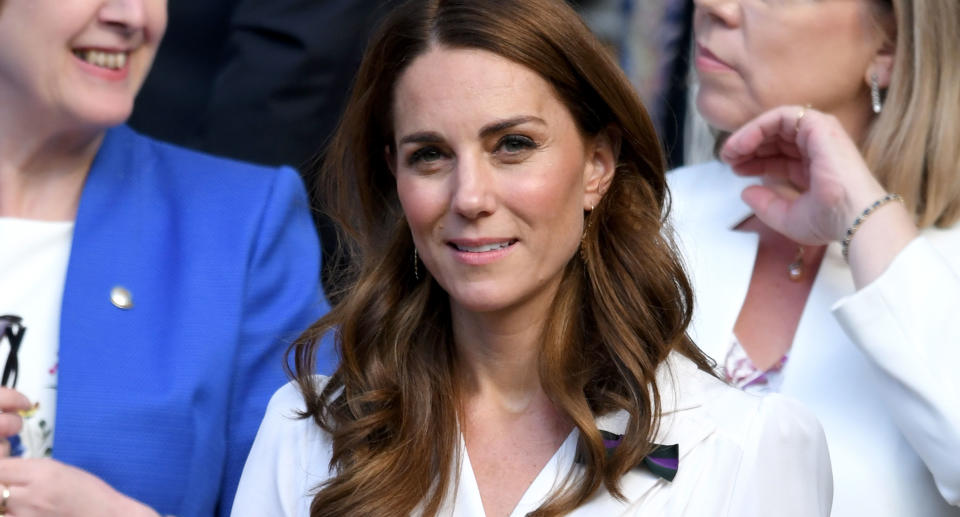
[913, 147]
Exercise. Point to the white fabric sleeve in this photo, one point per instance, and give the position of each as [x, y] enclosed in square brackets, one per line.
[785, 470]
[275, 479]
[907, 322]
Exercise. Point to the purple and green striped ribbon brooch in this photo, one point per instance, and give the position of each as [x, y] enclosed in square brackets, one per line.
[662, 462]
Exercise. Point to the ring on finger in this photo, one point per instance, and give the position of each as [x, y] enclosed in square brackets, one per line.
[803, 111]
[4, 497]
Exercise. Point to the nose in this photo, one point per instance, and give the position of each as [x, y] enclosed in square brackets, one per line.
[127, 16]
[725, 11]
[474, 188]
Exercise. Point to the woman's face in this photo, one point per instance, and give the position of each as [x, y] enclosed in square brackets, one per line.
[77, 62]
[493, 175]
[753, 55]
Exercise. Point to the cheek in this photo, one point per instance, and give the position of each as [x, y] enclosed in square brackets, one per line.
[158, 16]
[421, 200]
[554, 200]
[811, 61]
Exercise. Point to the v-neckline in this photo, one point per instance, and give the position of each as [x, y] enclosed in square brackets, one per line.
[468, 502]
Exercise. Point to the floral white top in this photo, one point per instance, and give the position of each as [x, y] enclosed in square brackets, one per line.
[739, 371]
[33, 266]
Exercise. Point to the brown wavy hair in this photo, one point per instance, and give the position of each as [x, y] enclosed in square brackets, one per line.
[624, 302]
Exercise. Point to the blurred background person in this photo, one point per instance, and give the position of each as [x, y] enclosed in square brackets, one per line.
[513, 336]
[148, 291]
[263, 81]
[836, 279]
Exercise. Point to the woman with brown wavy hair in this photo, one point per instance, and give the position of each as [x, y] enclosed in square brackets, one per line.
[513, 339]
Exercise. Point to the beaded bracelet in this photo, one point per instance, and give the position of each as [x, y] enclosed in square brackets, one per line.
[845, 246]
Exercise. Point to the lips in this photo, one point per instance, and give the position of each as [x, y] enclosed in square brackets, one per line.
[479, 252]
[706, 60]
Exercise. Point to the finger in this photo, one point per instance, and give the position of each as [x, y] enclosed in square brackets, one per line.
[13, 400]
[10, 508]
[769, 206]
[777, 123]
[781, 187]
[775, 165]
[10, 424]
[16, 471]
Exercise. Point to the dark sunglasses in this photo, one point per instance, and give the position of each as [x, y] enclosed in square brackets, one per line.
[11, 330]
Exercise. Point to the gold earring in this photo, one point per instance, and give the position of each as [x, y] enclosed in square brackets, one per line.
[586, 227]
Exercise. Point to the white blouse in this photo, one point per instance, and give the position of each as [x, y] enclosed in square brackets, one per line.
[33, 269]
[740, 455]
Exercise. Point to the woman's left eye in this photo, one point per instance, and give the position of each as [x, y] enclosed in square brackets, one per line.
[516, 144]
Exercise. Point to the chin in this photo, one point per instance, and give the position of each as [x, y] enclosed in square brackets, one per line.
[720, 112]
[479, 300]
[479, 304]
[103, 114]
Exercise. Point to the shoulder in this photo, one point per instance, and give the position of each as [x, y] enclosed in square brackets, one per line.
[197, 171]
[696, 405]
[290, 457]
[946, 241]
[738, 454]
[748, 454]
[284, 409]
[741, 419]
[220, 205]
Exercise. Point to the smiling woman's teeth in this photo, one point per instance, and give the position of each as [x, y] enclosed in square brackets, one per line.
[111, 60]
[485, 247]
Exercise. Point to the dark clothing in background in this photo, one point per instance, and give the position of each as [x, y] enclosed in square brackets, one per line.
[673, 98]
[258, 80]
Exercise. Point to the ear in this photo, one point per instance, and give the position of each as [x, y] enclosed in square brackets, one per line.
[882, 66]
[882, 62]
[603, 151]
[391, 158]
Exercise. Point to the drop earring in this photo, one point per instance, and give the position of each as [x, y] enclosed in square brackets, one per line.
[586, 227]
[875, 93]
[416, 271]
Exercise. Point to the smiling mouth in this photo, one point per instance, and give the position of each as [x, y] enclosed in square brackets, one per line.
[103, 59]
[493, 246]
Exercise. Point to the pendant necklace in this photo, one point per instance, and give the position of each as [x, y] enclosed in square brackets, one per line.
[795, 268]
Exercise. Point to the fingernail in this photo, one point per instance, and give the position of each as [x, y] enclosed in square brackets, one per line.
[24, 413]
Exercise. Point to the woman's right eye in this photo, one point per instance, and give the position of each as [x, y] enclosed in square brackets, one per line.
[425, 155]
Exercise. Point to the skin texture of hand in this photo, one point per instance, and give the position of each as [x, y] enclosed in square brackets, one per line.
[11, 401]
[815, 183]
[48, 488]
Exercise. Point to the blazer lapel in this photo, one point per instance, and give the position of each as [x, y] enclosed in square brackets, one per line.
[102, 257]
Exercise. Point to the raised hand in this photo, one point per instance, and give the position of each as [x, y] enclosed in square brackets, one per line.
[815, 184]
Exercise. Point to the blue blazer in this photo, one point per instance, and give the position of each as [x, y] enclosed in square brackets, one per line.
[162, 400]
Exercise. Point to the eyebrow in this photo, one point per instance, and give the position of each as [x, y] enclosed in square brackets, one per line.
[423, 137]
[429, 137]
[502, 125]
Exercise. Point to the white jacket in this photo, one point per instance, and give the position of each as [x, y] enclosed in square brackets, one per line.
[878, 367]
